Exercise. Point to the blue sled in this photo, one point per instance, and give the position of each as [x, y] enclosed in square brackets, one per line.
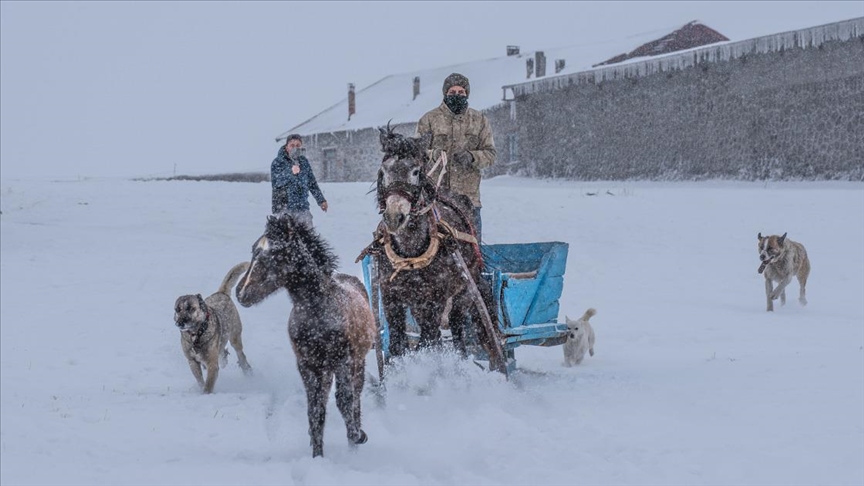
[527, 280]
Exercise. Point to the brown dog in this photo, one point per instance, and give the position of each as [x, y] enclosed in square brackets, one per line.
[206, 327]
[781, 260]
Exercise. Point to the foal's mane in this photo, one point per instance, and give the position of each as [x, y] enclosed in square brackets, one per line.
[286, 230]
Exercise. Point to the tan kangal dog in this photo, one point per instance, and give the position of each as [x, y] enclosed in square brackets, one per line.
[580, 338]
[782, 259]
[206, 328]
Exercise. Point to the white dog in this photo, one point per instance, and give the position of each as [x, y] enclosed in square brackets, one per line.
[580, 338]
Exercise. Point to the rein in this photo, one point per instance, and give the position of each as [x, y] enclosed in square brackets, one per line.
[442, 161]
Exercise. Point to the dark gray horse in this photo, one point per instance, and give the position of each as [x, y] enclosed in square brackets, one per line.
[422, 233]
[331, 326]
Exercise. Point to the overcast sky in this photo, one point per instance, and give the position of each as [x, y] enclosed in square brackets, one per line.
[99, 89]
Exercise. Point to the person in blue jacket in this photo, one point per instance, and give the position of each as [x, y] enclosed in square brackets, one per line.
[292, 179]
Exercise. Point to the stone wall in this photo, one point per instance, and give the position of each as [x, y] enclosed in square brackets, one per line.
[794, 113]
[347, 156]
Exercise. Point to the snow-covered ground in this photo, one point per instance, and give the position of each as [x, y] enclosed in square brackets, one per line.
[693, 382]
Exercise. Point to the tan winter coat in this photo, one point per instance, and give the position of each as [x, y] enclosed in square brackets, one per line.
[454, 133]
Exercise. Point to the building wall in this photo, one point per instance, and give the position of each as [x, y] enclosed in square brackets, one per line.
[504, 120]
[356, 155]
[348, 156]
[792, 114]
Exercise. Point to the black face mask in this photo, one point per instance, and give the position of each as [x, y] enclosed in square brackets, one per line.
[457, 103]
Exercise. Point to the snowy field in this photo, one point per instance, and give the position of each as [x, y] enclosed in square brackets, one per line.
[693, 381]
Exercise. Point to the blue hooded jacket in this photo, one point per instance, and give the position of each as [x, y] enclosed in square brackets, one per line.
[290, 191]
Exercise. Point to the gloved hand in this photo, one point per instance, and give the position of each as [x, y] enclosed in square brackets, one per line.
[463, 159]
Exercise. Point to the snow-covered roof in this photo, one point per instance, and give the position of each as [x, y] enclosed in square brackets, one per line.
[694, 34]
[391, 97]
[721, 51]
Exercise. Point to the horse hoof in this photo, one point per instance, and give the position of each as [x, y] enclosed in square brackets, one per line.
[362, 438]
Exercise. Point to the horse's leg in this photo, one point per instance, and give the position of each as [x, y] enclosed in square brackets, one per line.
[317, 383]
[458, 324]
[395, 314]
[428, 317]
[358, 380]
[346, 401]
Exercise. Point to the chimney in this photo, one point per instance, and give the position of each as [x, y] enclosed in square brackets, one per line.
[352, 107]
[540, 64]
[416, 87]
[559, 65]
[512, 50]
[529, 64]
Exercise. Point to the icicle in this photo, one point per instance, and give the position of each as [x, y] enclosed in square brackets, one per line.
[801, 39]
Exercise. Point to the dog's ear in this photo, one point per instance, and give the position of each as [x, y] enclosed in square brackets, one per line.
[760, 236]
[782, 238]
[201, 301]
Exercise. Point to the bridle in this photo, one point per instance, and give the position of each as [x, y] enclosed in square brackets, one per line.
[420, 196]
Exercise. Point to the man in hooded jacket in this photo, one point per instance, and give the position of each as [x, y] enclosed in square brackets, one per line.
[292, 179]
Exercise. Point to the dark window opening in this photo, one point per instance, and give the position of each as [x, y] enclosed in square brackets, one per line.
[328, 163]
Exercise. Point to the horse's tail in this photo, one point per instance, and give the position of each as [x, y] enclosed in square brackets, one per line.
[231, 278]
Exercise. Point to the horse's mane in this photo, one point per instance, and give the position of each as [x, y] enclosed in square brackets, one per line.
[284, 229]
[399, 146]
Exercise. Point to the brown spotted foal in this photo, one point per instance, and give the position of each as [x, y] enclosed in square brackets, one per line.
[331, 326]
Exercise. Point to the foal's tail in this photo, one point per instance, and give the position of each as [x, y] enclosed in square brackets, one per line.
[231, 278]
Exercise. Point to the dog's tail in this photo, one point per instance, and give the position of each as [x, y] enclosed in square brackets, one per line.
[588, 314]
[231, 278]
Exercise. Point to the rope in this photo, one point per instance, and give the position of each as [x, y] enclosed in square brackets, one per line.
[442, 161]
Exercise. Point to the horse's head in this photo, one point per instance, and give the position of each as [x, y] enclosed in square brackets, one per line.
[287, 248]
[403, 187]
[264, 274]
